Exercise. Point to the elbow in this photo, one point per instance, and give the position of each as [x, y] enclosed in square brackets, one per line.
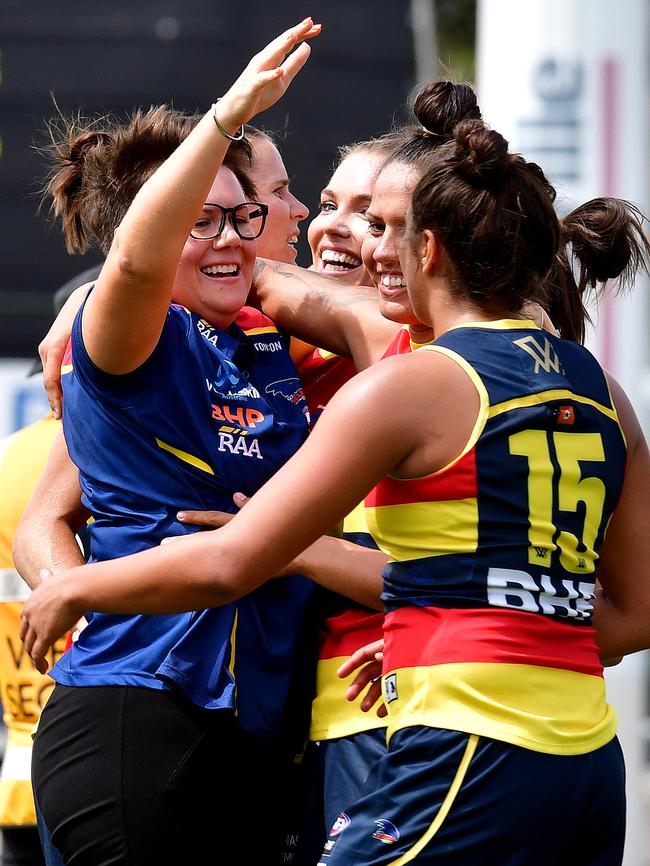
[17, 553]
[20, 555]
[130, 268]
[20, 544]
[224, 583]
[131, 264]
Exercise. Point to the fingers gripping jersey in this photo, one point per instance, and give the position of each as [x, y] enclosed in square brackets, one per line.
[488, 598]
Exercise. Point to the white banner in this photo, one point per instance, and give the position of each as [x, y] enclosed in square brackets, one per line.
[565, 82]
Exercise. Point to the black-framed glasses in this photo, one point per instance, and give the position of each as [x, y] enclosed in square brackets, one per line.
[247, 219]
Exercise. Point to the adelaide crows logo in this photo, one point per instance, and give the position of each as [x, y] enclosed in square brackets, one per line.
[386, 831]
[291, 390]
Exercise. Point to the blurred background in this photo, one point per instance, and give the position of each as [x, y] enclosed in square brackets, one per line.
[566, 82]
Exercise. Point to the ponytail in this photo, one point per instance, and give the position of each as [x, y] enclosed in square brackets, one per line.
[601, 240]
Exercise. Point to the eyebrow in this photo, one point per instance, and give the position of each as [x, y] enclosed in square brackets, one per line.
[399, 222]
[362, 197]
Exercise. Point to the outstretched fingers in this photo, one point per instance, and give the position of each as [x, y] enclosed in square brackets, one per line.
[268, 74]
[213, 519]
[369, 676]
[275, 52]
[294, 63]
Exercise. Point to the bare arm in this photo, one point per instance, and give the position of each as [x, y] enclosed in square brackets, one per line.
[317, 309]
[124, 316]
[333, 563]
[53, 345]
[45, 537]
[622, 611]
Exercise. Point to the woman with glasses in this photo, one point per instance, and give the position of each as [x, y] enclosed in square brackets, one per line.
[166, 399]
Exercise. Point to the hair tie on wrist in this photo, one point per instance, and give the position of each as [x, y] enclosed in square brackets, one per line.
[237, 137]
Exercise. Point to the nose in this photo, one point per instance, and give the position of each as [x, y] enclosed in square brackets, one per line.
[336, 224]
[386, 251]
[228, 237]
[299, 211]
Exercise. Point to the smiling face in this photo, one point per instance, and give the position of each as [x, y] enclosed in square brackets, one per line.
[268, 173]
[214, 276]
[386, 216]
[337, 232]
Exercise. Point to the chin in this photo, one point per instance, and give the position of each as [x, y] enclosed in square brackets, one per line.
[286, 255]
[397, 311]
[221, 311]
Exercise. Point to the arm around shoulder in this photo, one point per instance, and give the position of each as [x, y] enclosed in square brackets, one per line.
[317, 309]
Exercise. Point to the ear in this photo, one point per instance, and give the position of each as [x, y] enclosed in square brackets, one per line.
[429, 251]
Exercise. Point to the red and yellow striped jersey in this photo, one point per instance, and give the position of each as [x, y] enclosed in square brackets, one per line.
[488, 594]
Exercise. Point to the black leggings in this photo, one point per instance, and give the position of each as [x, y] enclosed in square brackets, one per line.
[127, 775]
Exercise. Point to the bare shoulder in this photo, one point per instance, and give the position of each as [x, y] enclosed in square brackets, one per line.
[626, 414]
[427, 371]
[424, 398]
[423, 374]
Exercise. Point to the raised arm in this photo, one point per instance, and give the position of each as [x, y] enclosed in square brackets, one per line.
[45, 537]
[622, 611]
[318, 309]
[124, 316]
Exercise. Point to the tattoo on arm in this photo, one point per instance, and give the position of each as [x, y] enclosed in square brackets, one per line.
[319, 288]
[258, 268]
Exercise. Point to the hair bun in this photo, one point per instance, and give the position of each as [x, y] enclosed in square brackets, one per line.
[440, 105]
[481, 153]
[83, 143]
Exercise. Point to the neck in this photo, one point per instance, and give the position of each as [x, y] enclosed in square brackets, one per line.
[447, 311]
[421, 334]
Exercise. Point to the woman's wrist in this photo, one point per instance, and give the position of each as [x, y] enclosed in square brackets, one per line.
[70, 593]
[226, 116]
[237, 135]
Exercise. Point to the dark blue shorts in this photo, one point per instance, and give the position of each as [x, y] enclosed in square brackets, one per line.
[334, 772]
[444, 797]
[347, 763]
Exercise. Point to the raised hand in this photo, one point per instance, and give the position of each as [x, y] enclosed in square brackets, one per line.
[267, 76]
